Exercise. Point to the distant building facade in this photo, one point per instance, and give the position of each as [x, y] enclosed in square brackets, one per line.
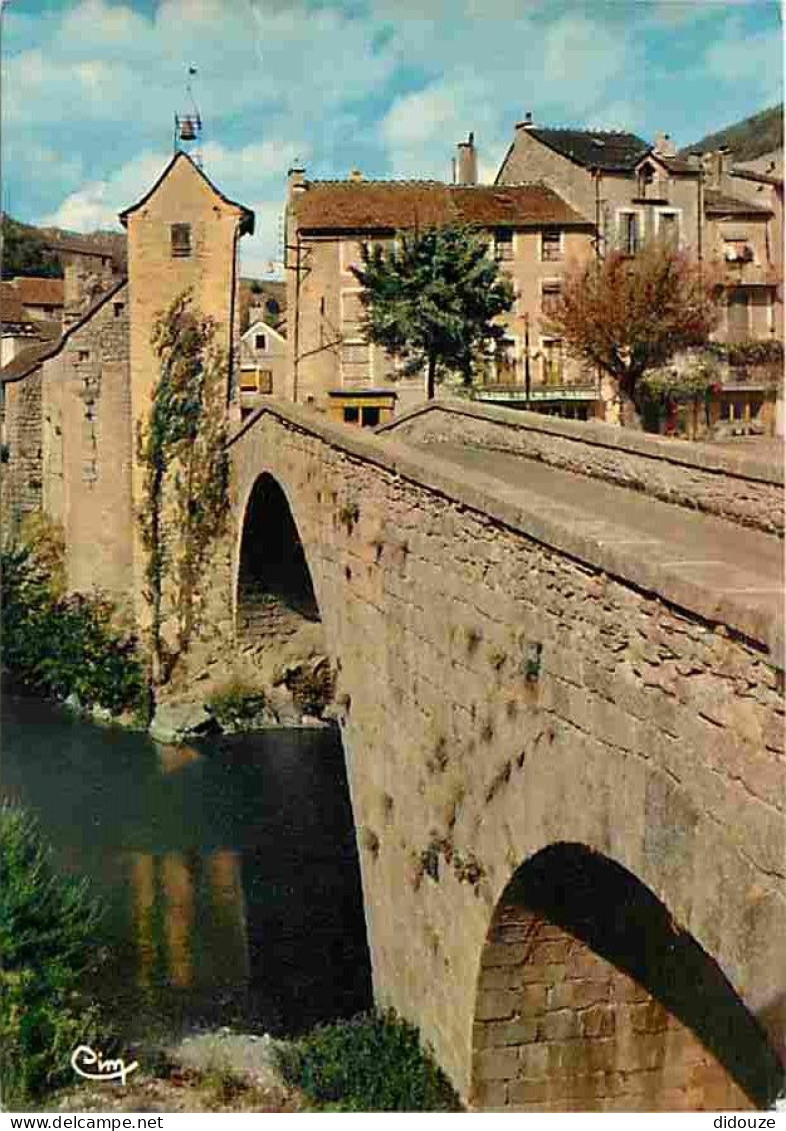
[262, 361]
[532, 232]
[731, 218]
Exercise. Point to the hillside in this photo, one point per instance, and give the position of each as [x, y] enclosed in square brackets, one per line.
[750, 138]
[28, 250]
[25, 252]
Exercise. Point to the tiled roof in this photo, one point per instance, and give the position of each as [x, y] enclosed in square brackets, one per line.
[36, 291]
[47, 330]
[595, 149]
[395, 205]
[678, 164]
[12, 311]
[31, 358]
[719, 202]
[27, 360]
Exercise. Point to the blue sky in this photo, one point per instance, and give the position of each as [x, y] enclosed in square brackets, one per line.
[90, 87]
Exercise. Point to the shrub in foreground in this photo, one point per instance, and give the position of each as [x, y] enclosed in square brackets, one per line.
[56, 645]
[47, 949]
[372, 1063]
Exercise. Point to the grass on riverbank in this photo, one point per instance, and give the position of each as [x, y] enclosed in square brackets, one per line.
[373, 1062]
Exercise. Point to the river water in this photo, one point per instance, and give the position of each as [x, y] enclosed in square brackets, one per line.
[229, 868]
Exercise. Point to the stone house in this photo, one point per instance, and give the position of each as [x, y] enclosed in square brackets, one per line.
[262, 361]
[731, 218]
[532, 231]
[71, 407]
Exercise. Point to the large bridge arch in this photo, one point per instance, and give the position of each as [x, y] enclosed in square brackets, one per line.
[273, 589]
[501, 694]
[590, 997]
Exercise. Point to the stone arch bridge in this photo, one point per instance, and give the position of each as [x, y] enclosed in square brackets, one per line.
[562, 714]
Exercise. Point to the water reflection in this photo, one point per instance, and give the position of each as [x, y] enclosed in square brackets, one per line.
[229, 870]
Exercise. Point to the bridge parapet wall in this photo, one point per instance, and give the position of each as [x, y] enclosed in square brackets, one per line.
[504, 687]
[740, 488]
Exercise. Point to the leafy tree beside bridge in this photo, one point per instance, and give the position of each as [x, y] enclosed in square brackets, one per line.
[430, 300]
[628, 316]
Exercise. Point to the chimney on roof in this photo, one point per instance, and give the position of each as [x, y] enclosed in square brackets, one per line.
[527, 124]
[467, 162]
[719, 164]
[356, 176]
[296, 180]
[664, 146]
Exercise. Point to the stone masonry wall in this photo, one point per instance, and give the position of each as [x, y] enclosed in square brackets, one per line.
[21, 475]
[751, 496]
[558, 1028]
[498, 697]
[87, 450]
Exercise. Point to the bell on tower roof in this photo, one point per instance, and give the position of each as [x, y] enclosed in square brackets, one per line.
[188, 126]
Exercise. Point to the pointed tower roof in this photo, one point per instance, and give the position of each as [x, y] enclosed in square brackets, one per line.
[247, 216]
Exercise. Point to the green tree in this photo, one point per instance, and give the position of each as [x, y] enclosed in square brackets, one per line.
[49, 947]
[430, 299]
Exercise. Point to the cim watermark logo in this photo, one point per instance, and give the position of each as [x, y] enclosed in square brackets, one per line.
[91, 1066]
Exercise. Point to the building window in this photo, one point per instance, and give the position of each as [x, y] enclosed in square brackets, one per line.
[119, 307]
[84, 355]
[260, 341]
[629, 232]
[737, 249]
[551, 246]
[503, 244]
[550, 294]
[505, 361]
[351, 255]
[256, 381]
[738, 315]
[355, 363]
[180, 235]
[351, 415]
[370, 416]
[669, 228]
[552, 361]
[352, 311]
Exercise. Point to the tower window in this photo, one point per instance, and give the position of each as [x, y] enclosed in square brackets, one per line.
[181, 240]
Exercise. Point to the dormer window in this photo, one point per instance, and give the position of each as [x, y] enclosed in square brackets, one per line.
[260, 341]
[646, 177]
[180, 235]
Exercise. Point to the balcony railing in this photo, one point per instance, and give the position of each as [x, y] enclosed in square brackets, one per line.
[586, 391]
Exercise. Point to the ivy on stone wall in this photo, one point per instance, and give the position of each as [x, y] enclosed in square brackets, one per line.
[182, 448]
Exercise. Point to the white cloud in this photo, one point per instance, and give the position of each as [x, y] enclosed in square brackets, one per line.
[740, 57]
[97, 203]
[240, 173]
[391, 85]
